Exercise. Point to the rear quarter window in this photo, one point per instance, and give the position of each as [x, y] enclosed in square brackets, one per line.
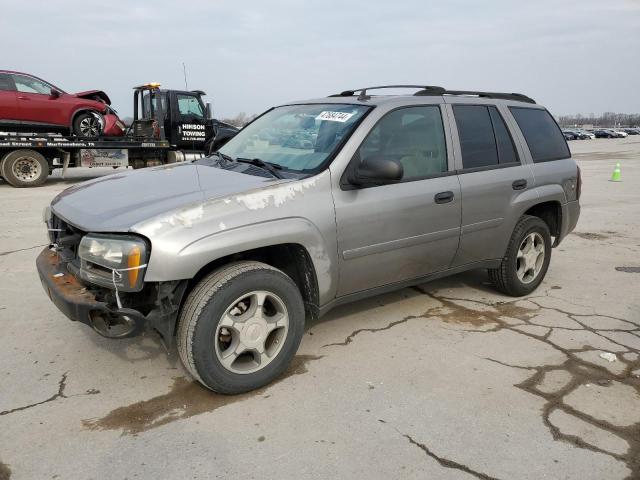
[544, 138]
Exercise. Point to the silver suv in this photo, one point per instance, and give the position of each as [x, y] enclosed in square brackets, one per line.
[312, 205]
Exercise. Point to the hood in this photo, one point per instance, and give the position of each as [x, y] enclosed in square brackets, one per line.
[92, 94]
[116, 202]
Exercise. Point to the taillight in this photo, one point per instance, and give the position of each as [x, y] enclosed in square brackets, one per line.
[578, 184]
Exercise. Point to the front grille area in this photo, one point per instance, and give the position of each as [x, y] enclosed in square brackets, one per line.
[65, 237]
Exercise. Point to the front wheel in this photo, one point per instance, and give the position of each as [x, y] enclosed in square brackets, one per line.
[88, 125]
[527, 259]
[240, 327]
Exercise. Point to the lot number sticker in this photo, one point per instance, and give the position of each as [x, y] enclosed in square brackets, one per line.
[335, 116]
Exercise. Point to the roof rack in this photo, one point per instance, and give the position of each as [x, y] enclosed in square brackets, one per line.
[437, 91]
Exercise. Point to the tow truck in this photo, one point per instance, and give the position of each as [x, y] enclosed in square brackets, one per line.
[168, 126]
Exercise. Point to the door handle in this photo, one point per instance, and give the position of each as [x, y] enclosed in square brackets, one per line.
[519, 184]
[443, 197]
[23, 98]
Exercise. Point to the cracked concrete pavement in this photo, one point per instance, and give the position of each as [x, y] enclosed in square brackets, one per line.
[447, 380]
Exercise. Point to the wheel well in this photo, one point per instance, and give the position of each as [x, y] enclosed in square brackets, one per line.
[292, 258]
[550, 213]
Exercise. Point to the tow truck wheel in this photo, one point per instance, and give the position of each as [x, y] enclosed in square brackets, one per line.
[24, 168]
[240, 327]
[88, 125]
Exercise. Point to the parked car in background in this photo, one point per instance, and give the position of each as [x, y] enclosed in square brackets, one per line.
[577, 134]
[28, 103]
[602, 133]
[619, 133]
[585, 134]
[609, 133]
[631, 131]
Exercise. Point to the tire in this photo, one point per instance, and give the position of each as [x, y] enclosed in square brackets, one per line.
[88, 125]
[516, 277]
[24, 168]
[204, 338]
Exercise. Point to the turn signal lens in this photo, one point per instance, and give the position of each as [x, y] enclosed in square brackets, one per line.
[133, 261]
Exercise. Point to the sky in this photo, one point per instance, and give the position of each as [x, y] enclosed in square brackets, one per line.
[248, 55]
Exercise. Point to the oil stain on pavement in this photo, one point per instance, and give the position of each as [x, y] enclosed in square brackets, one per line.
[185, 399]
[5, 472]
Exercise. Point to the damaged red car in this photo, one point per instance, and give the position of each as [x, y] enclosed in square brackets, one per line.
[28, 103]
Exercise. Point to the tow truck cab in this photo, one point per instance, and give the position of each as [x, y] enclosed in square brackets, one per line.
[178, 116]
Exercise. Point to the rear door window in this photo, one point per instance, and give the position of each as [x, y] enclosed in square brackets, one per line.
[6, 83]
[544, 138]
[506, 150]
[484, 137]
[477, 139]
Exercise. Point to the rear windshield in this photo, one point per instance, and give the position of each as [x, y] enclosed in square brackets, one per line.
[544, 138]
[296, 137]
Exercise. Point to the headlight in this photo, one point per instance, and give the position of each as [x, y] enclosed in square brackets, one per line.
[113, 261]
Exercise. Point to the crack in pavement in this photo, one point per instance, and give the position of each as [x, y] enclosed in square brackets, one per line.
[2, 254]
[580, 371]
[62, 385]
[445, 462]
[355, 333]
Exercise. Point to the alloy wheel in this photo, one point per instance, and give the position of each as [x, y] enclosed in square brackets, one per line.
[530, 257]
[89, 126]
[251, 332]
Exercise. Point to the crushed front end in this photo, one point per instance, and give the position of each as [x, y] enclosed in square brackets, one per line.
[98, 280]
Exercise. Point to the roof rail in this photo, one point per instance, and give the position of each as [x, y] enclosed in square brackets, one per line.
[437, 91]
[363, 91]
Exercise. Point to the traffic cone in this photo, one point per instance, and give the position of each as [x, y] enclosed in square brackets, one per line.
[617, 175]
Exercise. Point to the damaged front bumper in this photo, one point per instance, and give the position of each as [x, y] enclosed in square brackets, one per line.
[82, 304]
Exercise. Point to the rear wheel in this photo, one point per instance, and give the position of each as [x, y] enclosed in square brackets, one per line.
[240, 327]
[527, 259]
[88, 125]
[24, 168]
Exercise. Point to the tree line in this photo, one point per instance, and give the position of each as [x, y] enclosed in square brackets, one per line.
[239, 120]
[607, 119]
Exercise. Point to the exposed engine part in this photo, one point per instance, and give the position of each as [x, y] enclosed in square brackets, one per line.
[180, 156]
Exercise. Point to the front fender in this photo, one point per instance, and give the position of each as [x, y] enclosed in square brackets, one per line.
[193, 257]
[185, 263]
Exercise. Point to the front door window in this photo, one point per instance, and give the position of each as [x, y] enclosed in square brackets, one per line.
[190, 106]
[31, 85]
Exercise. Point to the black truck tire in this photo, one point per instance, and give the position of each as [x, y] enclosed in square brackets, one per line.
[523, 269]
[24, 168]
[240, 327]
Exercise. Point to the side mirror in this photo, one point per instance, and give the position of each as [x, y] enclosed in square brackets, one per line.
[54, 93]
[376, 170]
[209, 112]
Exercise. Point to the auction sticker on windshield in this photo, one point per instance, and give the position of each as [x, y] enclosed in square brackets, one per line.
[335, 116]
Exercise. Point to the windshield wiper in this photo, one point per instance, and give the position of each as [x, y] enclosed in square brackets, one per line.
[222, 156]
[272, 168]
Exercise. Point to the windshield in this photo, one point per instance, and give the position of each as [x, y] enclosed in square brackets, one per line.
[296, 137]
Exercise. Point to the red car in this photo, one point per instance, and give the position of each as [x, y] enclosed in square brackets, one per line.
[28, 103]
